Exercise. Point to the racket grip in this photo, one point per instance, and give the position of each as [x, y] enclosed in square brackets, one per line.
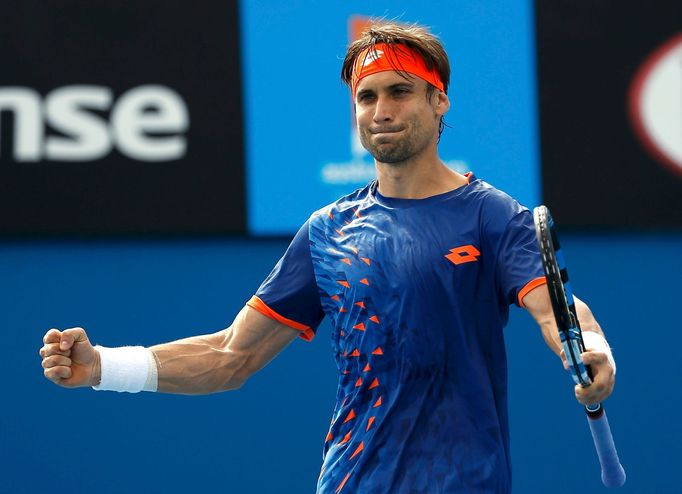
[612, 472]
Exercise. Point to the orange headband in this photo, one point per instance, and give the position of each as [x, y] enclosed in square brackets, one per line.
[396, 57]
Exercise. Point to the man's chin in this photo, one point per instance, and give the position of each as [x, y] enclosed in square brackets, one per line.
[389, 160]
[386, 154]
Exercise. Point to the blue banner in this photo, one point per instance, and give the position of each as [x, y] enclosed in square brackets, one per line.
[301, 151]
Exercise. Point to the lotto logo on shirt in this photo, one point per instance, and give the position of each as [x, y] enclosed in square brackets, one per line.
[461, 255]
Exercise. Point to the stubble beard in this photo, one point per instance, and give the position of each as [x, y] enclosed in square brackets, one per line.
[393, 154]
[399, 150]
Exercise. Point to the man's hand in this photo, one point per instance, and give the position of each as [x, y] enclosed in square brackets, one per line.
[69, 359]
[538, 304]
[603, 378]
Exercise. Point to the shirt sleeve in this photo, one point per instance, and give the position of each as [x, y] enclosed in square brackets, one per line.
[518, 263]
[289, 294]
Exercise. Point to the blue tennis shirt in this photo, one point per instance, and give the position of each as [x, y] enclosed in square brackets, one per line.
[418, 292]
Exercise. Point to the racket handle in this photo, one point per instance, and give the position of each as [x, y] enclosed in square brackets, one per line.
[612, 472]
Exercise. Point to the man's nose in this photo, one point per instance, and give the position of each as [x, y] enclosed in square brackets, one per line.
[384, 110]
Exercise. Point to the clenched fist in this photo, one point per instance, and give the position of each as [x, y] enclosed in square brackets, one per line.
[69, 359]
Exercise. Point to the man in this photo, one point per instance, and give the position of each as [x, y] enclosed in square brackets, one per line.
[416, 272]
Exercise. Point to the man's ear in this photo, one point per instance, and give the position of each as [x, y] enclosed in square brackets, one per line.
[442, 103]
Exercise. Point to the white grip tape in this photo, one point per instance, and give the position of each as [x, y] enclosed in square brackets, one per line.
[128, 369]
[595, 341]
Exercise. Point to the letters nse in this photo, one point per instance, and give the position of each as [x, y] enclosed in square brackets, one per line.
[146, 123]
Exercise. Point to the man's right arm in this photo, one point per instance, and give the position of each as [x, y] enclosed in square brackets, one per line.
[197, 365]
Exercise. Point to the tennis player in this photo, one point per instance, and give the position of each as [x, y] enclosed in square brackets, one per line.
[416, 271]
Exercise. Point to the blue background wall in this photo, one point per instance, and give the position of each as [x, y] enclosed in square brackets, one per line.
[268, 436]
[298, 113]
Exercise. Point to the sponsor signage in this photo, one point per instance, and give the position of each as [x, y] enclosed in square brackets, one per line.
[611, 112]
[84, 136]
[656, 104]
[301, 145]
[124, 120]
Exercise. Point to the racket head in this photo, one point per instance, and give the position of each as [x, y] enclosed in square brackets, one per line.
[560, 294]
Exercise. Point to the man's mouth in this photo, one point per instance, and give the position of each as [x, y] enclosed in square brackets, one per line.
[385, 130]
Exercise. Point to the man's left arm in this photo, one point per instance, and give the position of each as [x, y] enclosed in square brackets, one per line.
[597, 352]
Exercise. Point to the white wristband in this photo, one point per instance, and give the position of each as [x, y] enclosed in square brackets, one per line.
[127, 369]
[595, 341]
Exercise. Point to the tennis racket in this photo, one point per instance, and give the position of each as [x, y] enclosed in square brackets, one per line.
[563, 305]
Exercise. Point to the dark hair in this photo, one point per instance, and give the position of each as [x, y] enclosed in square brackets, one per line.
[414, 36]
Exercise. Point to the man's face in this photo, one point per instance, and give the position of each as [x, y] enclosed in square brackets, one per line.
[397, 120]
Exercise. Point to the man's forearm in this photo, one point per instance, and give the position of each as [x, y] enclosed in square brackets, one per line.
[199, 365]
[551, 336]
[586, 318]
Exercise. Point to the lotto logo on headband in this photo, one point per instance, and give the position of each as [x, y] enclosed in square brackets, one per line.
[372, 57]
[384, 57]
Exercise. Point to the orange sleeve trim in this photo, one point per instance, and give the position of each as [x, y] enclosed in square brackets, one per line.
[530, 286]
[256, 303]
